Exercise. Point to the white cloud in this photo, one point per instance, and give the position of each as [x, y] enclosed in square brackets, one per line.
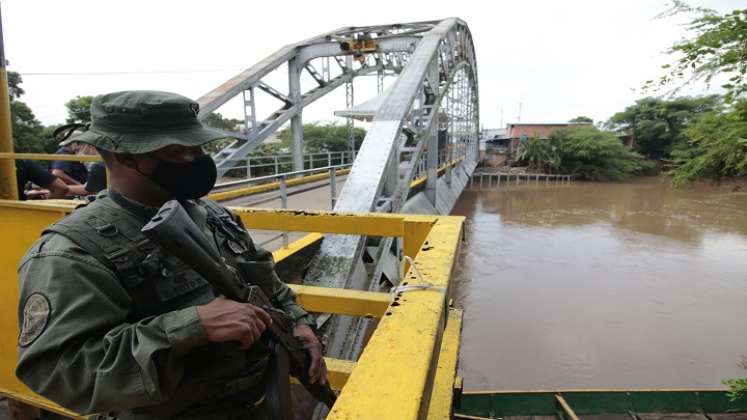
[560, 59]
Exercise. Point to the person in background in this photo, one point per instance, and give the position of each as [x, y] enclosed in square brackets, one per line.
[28, 171]
[96, 179]
[72, 173]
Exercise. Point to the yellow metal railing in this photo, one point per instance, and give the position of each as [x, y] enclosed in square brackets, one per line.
[51, 156]
[408, 367]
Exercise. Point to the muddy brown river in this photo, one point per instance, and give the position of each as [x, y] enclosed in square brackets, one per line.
[603, 285]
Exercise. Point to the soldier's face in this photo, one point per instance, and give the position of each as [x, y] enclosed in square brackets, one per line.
[175, 153]
[148, 163]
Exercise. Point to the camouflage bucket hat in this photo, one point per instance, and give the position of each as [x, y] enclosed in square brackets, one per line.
[140, 122]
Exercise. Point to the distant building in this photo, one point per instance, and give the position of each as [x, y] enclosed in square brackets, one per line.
[518, 133]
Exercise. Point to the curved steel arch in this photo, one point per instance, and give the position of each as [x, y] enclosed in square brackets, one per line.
[440, 78]
[435, 95]
[356, 51]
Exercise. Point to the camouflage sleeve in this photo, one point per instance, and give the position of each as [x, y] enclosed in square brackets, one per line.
[76, 347]
[263, 270]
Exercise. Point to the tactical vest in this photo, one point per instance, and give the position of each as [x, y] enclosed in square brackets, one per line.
[158, 283]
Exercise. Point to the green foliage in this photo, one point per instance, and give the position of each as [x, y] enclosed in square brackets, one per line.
[27, 130]
[14, 85]
[542, 155]
[657, 125]
[320, 137]
[737, 388]
[585, 152]
[718, 47]
[79, 109]
[216, 120]
[581, 119]
[717, 147]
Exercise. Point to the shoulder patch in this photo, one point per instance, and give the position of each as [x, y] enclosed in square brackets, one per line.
[35, 317]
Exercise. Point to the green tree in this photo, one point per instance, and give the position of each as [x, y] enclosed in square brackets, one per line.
[27, 130]
[79, 110]
[216, 120]
[657, 125]
[320, 137]
[581, 119]
[585, 152]
[14, 85]
[718, 147]
[718, 46]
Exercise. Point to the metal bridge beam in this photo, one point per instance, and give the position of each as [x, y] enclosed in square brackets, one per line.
[407, 121]
[296, 57]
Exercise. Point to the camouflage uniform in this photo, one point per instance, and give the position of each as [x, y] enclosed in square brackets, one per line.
[109, 321]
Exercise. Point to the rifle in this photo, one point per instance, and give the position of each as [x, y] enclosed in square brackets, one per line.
[173, 230]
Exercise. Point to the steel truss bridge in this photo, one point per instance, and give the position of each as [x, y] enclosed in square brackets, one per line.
[431, 109]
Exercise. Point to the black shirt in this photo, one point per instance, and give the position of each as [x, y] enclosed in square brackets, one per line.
[26, 171]
[96, 178]
[75, 170]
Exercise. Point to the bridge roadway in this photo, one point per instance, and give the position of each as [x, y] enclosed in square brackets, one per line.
[311, 196]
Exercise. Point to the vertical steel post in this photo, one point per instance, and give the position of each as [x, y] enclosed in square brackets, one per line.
[8, 186]
[349, 103]
[332, 187]
[294, 87]
[284, 205]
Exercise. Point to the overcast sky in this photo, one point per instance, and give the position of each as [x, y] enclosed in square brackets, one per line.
[559, 59]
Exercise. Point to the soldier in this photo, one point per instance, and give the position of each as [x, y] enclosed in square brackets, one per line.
[111, 323]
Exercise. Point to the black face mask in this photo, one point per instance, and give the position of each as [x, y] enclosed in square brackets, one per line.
[186, 180]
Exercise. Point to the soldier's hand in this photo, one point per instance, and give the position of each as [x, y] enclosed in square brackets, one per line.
[318, 369]
[228, 320]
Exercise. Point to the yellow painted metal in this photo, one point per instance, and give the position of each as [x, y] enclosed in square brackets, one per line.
[258, 189]
[370, 224]
[442, 394]
[50, 156]
[20, 224]
[45, 404]
[395, 374]
[419, 181]
[416, 229]
[296, 246]
[342, 301]
[566, 407]
[410, 337]
[8, 183]
[338, 372]
[413, 228]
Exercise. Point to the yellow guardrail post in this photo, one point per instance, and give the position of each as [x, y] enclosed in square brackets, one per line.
[8, 187]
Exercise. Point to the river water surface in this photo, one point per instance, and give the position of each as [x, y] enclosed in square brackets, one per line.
[603, 285]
